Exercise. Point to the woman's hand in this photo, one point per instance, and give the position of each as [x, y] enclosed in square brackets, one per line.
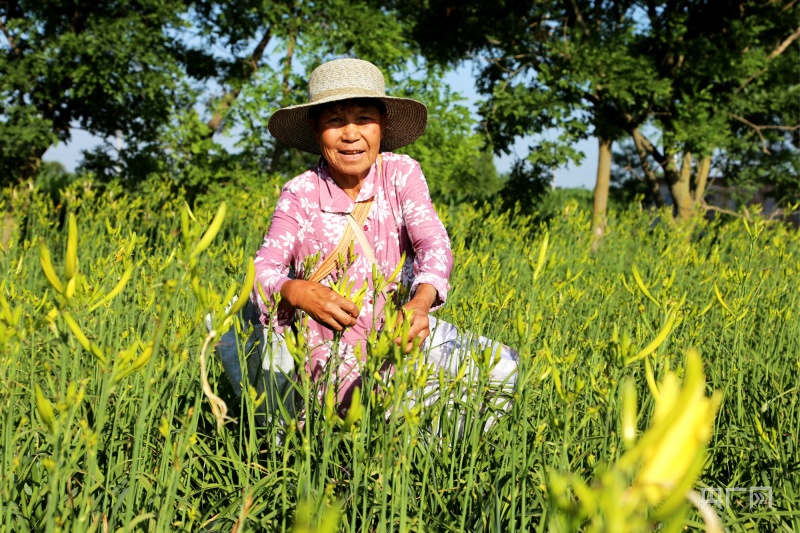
[417, 310]
[320, 303]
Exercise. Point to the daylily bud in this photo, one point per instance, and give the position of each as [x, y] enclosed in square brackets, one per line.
[355, 411]
[629, 412]
[45, 408]
[684, 418]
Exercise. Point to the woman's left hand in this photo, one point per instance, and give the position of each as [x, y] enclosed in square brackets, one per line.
[417, 310]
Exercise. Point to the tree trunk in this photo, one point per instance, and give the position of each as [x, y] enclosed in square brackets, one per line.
[652, 181]
[702, 179]
[225, 103]
[230, 97]
[600, 207]
[679, 186]
[24, 168]
[679, 180]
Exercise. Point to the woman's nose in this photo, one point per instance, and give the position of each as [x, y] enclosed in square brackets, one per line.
[350, 131]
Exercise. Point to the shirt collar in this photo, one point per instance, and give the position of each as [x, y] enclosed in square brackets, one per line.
[333, 199]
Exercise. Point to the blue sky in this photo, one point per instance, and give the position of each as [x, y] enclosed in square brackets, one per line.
[461, 80]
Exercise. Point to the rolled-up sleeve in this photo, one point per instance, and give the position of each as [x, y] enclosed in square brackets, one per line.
[275, 256]
[433, 258]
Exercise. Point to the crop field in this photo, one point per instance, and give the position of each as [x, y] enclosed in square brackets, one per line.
[105, 424]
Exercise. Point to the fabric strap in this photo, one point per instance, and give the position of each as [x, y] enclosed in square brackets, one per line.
[356, 219]
[362, 239]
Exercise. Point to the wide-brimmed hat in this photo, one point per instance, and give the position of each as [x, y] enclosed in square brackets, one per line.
[345, 79]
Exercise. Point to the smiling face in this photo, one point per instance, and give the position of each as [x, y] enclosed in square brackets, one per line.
[349, 137]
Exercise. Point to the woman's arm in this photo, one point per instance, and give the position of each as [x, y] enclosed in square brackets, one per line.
[433, 259]
[276, 254]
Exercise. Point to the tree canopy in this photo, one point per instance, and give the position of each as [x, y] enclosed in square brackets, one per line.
[103, 67]
[172, 79]
[709, 78]
[689, 88]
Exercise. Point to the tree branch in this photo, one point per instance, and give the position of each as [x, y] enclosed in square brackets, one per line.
[784, 45]
[647, 145]
[579, 17]
[258, 53]
[789, 6]
[280, 148]
[775, 53]
[638, 143]
[703, 169]
[782, 213]
[228, 98]
[226, 101]
[758, 130]
[287, 62]
[511, 74]
[709, 207]
[10, 38]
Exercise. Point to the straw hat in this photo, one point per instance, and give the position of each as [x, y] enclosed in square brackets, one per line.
[343, 79]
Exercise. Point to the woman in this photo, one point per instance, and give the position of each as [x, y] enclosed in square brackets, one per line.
[353, 125]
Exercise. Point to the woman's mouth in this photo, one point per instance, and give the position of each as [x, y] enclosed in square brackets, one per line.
[351, 154]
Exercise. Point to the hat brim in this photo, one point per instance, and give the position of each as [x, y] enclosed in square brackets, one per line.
[405, 122]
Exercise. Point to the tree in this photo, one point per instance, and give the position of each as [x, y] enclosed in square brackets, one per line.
[172, 78]
[547, 67]
[103, 66]
[301, 35]
[609, 68]
[726, 68]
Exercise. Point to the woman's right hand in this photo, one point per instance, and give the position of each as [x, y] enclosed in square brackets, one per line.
[320, 303]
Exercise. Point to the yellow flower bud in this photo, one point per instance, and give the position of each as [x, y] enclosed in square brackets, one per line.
[71, 263]
[629, 411]
[680, 429]
[355, 411]
[45, 408]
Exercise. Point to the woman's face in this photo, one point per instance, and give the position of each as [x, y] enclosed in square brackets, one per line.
[349, 137]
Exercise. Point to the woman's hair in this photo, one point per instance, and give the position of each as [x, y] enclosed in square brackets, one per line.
[316, 111]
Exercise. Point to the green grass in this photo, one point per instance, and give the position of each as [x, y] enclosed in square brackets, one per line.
[143, 451]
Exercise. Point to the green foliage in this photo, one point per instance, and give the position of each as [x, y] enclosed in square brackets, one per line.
[456, 164]
[100, 66]
[129, 439]
[545, 69]
[301, 35]
[766, 151]
[52, 177]
[525, 185]
[779, 168]
[710, 78]
[21, 128]
[170, 79]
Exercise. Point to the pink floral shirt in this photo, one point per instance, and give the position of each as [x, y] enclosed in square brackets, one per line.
[310, 218]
